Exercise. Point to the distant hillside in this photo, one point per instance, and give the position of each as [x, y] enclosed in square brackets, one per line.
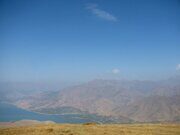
[153, 108]
[143, 101]
[23, 123]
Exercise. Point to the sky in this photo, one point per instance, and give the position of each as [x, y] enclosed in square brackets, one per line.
[77, 40]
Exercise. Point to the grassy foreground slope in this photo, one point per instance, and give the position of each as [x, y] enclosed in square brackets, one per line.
[93, 129]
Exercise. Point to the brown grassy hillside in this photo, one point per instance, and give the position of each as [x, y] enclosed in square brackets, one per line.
[93, 129]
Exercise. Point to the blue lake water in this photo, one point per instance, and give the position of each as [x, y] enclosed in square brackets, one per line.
[10, 112]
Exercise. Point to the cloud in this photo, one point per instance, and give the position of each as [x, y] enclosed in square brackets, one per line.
[115, 71]
[101, 13]
[178, 67]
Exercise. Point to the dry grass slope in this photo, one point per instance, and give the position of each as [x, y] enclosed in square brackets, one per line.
[93, 129]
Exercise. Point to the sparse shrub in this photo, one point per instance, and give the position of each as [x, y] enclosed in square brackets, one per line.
[90, 123]
[49, 130]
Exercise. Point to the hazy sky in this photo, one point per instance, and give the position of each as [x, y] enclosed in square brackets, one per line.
[74, 40]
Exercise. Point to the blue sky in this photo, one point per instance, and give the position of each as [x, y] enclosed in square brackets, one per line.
[76, 40]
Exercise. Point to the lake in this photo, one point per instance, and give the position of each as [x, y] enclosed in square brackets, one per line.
[10, 112]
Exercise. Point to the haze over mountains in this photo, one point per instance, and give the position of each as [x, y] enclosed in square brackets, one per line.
[141, 101]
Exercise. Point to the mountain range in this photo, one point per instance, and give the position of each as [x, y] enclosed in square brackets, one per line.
[139, 101]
